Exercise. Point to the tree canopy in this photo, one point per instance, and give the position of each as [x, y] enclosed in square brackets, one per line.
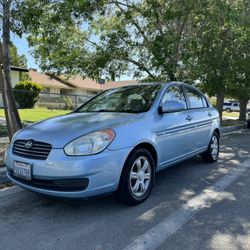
[202, 42]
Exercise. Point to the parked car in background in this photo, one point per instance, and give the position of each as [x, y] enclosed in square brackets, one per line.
[115, 142]
[248, 118]
[231, 106]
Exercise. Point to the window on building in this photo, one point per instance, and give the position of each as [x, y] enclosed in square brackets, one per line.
[46, 90]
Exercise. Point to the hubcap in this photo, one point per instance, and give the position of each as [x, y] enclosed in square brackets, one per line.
[140, 176]
[214, 147]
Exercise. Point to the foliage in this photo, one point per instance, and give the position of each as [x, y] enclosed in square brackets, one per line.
[19, 61]
[68, 103]
[202, 42]
[27, 93]
[145, 39]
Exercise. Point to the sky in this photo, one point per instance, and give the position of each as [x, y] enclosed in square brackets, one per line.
[23, 48]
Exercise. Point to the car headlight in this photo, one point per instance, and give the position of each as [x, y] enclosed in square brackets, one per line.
[89, 144]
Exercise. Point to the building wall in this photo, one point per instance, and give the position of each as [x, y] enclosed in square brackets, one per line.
[54, 90]
[83, 92]
[14, 80]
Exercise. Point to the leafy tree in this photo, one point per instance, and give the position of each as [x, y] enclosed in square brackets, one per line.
[19, 61]
[194, 41]
[15, 58]
[240, 89]
[11, 114]
[27, 93]
[145, 39]
[213, 48]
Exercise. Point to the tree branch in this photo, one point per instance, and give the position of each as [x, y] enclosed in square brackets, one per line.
[137, 26]
[140, 66]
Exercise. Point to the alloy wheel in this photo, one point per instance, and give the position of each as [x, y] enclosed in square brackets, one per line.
[140, 176]
[214, 147]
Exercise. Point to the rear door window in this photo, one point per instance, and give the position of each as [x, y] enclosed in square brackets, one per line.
[195, 99]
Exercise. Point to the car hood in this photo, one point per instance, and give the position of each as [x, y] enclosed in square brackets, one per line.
[60, 130]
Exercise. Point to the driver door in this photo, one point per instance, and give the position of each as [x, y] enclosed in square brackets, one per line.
[173, 139]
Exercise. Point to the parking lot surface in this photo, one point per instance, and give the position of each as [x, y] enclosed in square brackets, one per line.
[194, 205]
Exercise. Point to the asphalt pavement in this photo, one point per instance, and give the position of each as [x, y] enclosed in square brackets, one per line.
[194, 205]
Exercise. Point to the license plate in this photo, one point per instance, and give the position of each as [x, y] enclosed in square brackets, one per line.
[22, 170]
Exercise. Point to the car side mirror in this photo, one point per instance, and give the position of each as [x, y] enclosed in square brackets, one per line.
[171, 106]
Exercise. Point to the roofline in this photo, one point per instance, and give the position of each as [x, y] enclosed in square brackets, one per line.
[59, 79]
[20, 69]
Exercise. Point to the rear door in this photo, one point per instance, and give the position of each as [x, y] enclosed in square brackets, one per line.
[201, 116]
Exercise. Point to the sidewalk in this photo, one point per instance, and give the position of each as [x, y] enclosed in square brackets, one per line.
[3, 142]
[3, 177]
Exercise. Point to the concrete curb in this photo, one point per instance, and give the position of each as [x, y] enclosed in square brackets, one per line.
[3, 177]
[232, 128]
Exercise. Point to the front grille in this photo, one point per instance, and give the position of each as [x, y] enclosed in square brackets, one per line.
[38, 150]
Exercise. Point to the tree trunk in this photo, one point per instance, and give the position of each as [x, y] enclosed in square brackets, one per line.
[243, 108]
[14, 122]
[219, 102]
[2, 89]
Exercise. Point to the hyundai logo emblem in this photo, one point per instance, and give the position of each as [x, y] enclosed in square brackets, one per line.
[28, 144]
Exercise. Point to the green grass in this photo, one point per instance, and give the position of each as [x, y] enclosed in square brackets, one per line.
[231, 114]
[37, 114]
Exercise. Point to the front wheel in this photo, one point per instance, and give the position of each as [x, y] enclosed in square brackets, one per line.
[212, 153]
[137, 177]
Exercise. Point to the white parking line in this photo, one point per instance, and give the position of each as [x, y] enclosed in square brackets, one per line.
[155, 236]
[10, 190]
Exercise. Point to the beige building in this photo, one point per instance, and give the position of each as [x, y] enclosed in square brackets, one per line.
[60, 92]
[74, 85]
[15, 78]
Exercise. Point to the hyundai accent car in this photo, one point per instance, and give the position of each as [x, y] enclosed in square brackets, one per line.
[115, 143]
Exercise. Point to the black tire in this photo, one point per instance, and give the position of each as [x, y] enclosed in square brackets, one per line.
[228, 110]
[209, 156]
[124, 192]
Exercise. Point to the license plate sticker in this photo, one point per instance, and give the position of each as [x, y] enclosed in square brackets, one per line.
[22, 170]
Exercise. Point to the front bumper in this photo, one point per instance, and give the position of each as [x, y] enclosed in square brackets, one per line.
[99, 173]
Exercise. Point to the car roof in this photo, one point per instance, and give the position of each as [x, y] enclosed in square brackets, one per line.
[158, 83]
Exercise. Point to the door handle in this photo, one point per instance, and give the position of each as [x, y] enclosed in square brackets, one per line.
[189, 118]
[209, 114]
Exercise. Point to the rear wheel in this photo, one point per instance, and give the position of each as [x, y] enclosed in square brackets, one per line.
[228, 110]
[137, 177]
[212, 153]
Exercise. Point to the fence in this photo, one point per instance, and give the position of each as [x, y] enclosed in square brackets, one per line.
[48, 105]
[55, 100]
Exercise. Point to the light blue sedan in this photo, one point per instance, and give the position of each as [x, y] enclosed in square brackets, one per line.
[115, 142]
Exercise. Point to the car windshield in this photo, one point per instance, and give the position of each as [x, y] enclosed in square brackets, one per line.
[131, 99]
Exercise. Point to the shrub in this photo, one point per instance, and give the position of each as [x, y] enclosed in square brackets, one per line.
[68, 103]
[27, 93]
